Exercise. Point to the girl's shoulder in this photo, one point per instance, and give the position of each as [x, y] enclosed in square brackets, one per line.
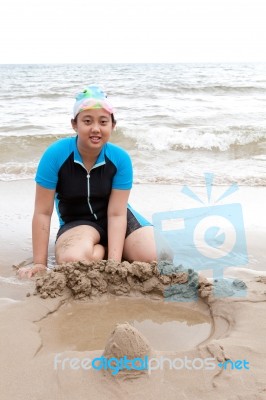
[58, 151]
[63, 143]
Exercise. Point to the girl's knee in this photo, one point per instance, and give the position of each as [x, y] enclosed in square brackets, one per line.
[96, 253]
[79, 244]
[68, 257]
[140, 246]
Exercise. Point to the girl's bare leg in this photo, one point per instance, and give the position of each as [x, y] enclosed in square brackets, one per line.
[80, 243]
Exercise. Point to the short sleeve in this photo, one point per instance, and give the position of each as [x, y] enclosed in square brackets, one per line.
[123, 178]
[49, 165]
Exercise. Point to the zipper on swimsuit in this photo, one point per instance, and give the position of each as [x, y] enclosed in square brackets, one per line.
[88, 181]
[88, 198]
[88, 187]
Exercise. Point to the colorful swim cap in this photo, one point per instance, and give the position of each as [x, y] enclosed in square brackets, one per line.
[92, 97]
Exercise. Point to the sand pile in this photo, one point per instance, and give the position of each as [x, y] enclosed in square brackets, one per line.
[92, 279]
[95, 278]
[125, 340]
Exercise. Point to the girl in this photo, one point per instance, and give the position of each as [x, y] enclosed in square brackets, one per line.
[89, 180]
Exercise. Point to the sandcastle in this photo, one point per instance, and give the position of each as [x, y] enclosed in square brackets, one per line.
[89, 279]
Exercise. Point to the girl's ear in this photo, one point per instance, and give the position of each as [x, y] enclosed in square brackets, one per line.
[74, 125]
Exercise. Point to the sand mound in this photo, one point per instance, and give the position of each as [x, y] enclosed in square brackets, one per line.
[95, 278]
[125, 340]
[92, 279]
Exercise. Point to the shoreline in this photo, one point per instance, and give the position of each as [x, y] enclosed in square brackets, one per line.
[15, 218]
[15, 223]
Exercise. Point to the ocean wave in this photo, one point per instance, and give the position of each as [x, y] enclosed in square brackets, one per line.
[47, 96]
[193, 181]
[174, 88]
[22, 172]
[196, 180]
[182, 138]
[18, 141]
[11, 171]
[212, 89]
[19, 128]
[186, 176]
[29, 140]
[203, 138]
[11, 280]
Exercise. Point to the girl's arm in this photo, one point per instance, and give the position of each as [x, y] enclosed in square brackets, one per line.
[44, 203]
[117, 223]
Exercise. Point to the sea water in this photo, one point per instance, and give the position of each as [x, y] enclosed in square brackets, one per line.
[177, 121]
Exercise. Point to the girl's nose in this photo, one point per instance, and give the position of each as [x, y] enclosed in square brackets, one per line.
[95, 127]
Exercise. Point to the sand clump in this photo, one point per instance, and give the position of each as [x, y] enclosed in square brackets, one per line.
[125, 340]
[163, 279]
[89, 279]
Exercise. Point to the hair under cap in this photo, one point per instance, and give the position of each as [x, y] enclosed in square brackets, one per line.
[92, 97]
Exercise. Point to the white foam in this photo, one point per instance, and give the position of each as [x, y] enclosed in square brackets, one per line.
[13, 280]
[206, 138]
[6, 301]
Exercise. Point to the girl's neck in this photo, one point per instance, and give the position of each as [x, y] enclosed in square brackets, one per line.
[89, 157]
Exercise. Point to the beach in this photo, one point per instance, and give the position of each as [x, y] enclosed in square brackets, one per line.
[30, 333]
[190, 326]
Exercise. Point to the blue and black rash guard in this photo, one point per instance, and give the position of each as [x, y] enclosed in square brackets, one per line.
[79, 194]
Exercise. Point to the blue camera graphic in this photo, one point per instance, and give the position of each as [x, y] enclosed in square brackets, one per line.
[211, 237]
[203, 238]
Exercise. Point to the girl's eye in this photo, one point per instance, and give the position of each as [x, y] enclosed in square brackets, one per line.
[87, 121]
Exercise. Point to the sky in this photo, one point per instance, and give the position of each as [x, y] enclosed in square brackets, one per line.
[127, 31]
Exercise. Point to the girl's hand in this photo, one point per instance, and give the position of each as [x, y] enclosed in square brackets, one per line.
[28, 272]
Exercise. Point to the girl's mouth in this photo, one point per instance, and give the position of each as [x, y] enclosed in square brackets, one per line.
[95, 139]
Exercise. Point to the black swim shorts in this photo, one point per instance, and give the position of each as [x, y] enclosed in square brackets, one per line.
[134, 222]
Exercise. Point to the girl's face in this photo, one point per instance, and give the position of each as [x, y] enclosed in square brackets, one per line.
[94, 128]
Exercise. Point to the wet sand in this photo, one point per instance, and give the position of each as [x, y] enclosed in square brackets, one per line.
[167, 326]
[27, 367]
